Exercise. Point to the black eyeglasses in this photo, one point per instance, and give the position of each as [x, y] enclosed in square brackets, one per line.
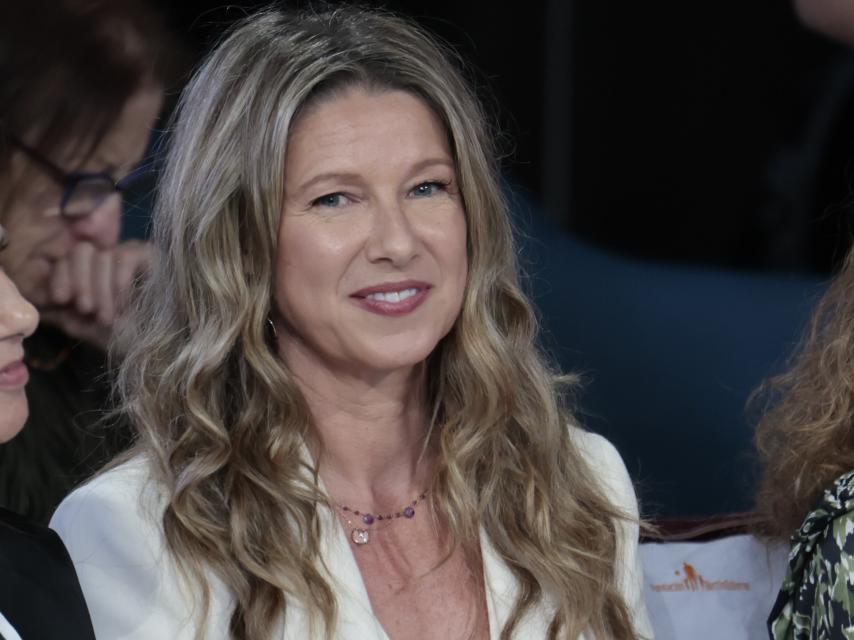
[83, 192]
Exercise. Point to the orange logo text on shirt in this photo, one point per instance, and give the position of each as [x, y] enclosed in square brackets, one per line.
[694, 581]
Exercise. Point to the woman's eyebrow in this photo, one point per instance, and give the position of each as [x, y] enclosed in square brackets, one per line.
[432, 162]
[332, 176]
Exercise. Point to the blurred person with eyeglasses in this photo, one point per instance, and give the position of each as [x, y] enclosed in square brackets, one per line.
[81, 84]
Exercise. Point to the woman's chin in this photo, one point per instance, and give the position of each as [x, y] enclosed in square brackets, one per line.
[396, 357]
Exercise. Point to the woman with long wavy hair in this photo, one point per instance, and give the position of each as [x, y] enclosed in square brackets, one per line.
[344, 426]
[806, 494]
[806, 442]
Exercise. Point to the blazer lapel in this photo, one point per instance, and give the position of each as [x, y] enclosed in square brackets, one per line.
[355, 615]
[502, 589]
[356, 618]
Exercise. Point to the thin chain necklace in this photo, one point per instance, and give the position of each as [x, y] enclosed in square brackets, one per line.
[360, 532]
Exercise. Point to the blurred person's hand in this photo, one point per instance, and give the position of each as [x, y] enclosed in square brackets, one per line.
[834, 18]
[89, 289]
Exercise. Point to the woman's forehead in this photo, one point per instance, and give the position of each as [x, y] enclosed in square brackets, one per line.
[359, 128]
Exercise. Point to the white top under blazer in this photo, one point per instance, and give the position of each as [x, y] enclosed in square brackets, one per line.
[112, 527]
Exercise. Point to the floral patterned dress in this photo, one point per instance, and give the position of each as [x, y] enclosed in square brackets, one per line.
[816, 601]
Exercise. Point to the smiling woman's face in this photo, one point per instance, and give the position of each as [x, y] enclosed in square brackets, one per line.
[372, 263]
[18, 319]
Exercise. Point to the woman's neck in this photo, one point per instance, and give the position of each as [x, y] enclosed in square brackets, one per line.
[371, 433]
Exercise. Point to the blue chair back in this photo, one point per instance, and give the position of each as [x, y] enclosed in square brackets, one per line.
[670, 354]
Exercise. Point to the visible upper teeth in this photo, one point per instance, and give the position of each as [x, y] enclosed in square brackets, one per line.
[393, 296]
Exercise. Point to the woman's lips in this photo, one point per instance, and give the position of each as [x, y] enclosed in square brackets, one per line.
[14, 375]
[392, 299]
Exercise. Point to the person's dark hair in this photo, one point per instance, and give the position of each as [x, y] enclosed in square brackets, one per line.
[68, 68]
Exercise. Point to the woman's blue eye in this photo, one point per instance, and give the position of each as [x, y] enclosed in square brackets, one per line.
[329, 200]
[426, 189]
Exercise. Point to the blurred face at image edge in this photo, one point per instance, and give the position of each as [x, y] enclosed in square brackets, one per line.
[18, 319]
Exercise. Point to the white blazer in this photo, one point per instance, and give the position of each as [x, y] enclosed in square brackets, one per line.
[112, 530]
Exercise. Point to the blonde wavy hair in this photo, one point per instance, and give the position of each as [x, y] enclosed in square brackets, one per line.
[805, 438]
[220, 416]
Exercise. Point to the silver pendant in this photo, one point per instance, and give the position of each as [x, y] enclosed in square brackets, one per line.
[360, 536]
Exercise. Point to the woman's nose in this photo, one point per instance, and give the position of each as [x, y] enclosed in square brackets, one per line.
[393, 237]
[17, 316]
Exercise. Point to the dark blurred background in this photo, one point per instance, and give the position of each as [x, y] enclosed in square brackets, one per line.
[683, 173]
[700, 133]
